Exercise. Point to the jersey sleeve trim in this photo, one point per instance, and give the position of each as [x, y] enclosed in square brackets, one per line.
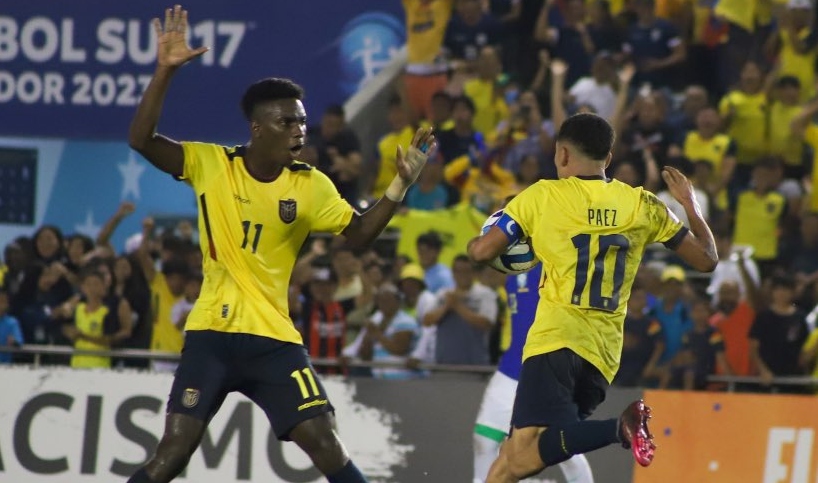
[676, 239]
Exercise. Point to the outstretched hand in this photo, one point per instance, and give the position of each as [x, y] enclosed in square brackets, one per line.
[172, 48]
[678, 185]
[410, 164]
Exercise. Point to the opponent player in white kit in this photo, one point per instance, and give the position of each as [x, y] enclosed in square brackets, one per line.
[494, 418]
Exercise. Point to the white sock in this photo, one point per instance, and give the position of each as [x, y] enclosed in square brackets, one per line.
[485, 452]
[577, 469]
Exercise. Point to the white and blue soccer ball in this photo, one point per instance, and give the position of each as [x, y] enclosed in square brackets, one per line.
[518, 258]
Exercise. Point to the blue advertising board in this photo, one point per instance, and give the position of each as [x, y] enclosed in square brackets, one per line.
[76, 69]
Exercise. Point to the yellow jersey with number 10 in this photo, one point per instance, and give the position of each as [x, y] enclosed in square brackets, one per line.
[590, 235]
[250, 235]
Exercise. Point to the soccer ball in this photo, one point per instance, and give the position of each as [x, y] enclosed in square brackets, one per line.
[518, 258]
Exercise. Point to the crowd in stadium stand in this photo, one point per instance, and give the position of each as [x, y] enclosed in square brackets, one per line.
[726, 94]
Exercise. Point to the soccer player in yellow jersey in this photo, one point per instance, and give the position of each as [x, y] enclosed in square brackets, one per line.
[257, 205]
[590, 233]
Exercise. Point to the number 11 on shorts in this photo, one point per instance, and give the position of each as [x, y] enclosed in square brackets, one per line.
[300, 376]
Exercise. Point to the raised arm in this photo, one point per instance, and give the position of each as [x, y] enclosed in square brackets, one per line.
[143, 252]
[697, 248]
[363, 229]
[104, 237]
[803, 118]
[558, 71]
[172, 52]
[618, 118]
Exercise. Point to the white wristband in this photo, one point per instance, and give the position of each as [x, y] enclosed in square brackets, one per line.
[396, 190]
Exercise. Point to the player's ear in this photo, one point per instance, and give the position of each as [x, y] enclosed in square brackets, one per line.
[255, 128]
[608, 159]
[563, 156]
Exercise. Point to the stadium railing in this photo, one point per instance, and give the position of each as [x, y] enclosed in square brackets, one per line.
[38, 351]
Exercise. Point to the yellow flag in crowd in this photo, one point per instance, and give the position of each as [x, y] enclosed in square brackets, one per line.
[456, 226]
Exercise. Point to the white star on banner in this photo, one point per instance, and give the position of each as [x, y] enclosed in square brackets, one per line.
[88, 227]
[131, 172]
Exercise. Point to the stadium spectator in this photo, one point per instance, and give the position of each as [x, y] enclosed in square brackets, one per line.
[642, 345]
[758, 214]
[702, 351]
[598, 90]
[436, 275]
[462, 138]
[334, 149]
[426, 67]
[372, 276]
[484, 91]
[778, 335]
[440, 114]
[400, 135]
[796, 46]
[683, 118]
[389, 336]
[182, 308]
[431, 192]
[570, 41]
[469, 30]
[743, 111]
[732, 259]
[784, 109]
[91, 316]
[323, 319]
[707, 144]
[672, 311]
[464, 316]
[347, 268]
[167, 286]
[655, 46]
[10, 333]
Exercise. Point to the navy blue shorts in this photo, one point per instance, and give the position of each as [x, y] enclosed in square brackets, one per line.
[275, 375]
[557, 387]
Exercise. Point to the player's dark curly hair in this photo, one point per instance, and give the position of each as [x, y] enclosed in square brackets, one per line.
[589, 133]
[270, 89]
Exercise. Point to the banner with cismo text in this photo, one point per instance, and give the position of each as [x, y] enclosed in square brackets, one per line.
[59, 425]
[78, 69]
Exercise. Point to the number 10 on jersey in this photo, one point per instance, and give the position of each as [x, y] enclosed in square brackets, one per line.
[585, 251]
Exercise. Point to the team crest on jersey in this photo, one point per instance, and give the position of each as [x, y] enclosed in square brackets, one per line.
[190, 398]
[287, 210]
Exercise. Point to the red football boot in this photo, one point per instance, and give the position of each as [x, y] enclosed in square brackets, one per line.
[634, 432]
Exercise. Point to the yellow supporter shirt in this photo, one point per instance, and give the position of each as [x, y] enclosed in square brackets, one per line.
[748, 126]
[801, 66]
[745, 13]
[165, 336]
[387, 147]
[490, 106]
[425, 27]
[590, 235]
[757, 218]
[782, 142]
[811, 138]
[712, 150]
[251, 233]
[93, 324]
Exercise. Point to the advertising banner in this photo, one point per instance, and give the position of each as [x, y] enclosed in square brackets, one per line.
[732, 438]
[78, 69]
[59, 425]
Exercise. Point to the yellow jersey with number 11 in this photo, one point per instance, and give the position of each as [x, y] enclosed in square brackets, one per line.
[590, 235]
[250, 235]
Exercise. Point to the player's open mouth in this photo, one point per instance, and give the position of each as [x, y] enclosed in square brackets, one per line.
[296, 149]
